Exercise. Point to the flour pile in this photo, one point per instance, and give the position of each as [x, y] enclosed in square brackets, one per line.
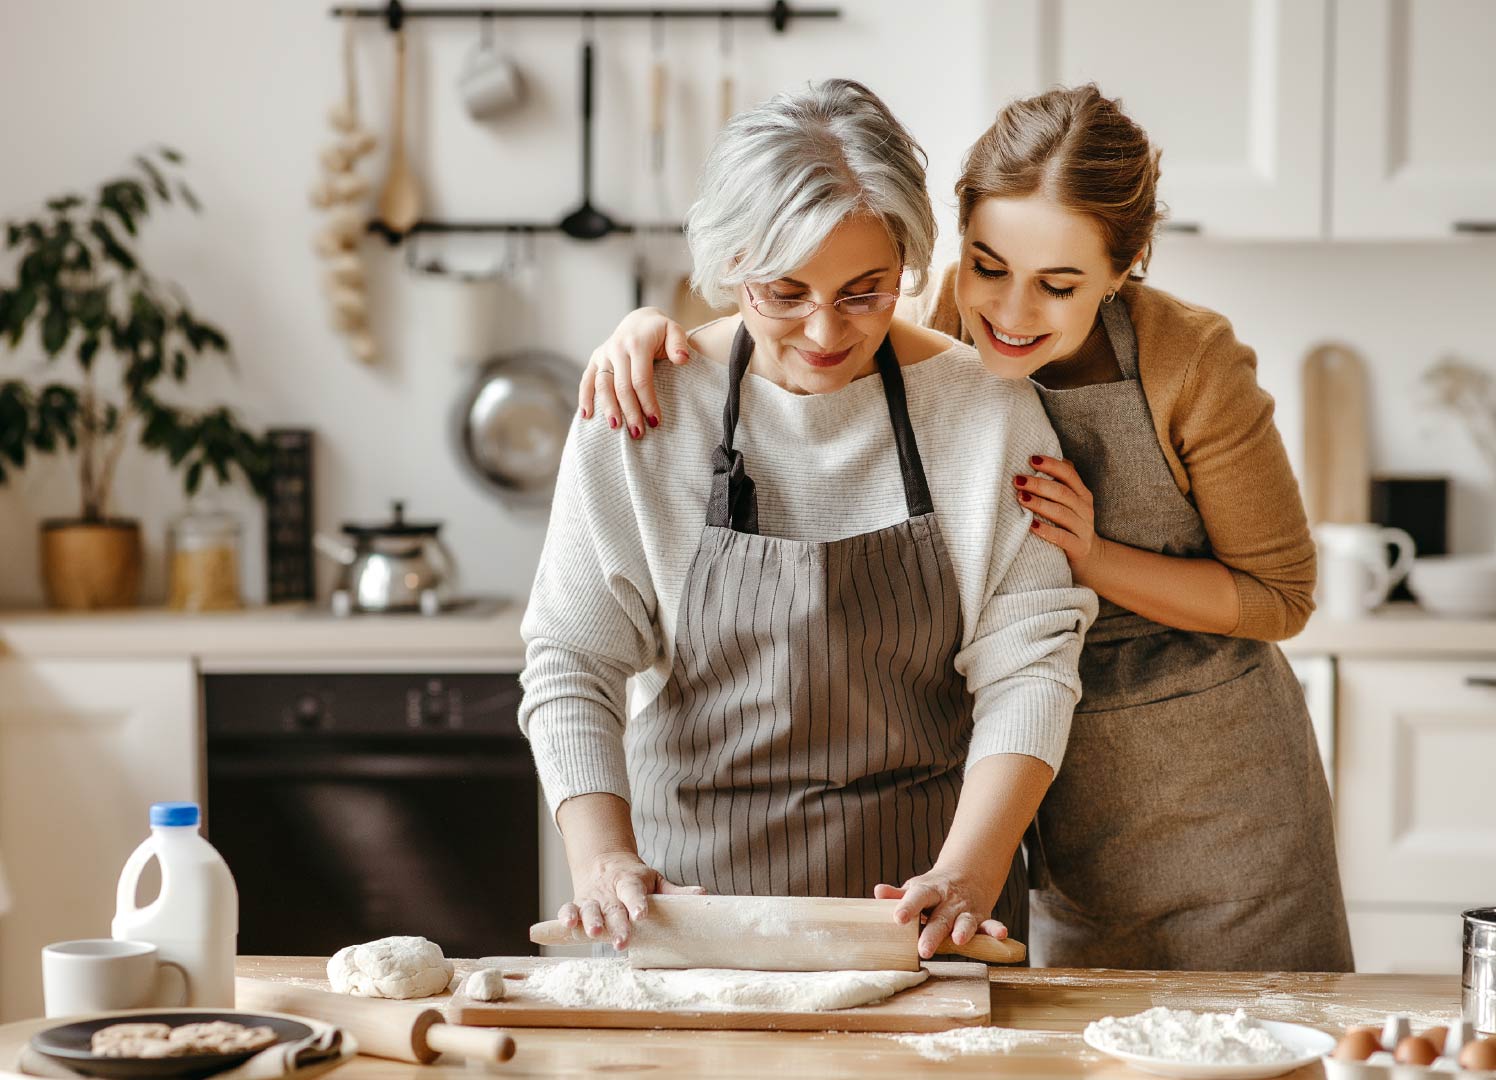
[1195, 1038]
[613, 984]
[944, 1045]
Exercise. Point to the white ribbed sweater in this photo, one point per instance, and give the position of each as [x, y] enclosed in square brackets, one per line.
[627, 517]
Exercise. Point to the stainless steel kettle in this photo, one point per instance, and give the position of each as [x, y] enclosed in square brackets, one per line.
[397, 565]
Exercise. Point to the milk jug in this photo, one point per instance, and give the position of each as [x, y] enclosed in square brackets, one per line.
[194, 922]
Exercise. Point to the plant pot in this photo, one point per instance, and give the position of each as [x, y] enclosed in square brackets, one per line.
[91, 564]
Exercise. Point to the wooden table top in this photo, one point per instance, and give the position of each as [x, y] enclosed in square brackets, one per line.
[1043, 1010]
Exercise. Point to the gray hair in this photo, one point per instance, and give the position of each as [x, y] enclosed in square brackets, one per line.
[780, 177]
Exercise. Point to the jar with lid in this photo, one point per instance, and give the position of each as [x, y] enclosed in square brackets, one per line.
[203, 547]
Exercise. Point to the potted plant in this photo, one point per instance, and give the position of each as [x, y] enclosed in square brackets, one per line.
[81, 285]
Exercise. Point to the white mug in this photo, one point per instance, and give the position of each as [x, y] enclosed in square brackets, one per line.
[103, 975]
[1355, 570]
[490, 82]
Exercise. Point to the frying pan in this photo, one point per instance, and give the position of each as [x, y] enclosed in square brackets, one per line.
[512, 421]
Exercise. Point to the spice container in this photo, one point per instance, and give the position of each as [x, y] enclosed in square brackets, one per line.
[203, 563]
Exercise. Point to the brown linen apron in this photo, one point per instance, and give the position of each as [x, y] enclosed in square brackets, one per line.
[1190, 825]
[811, 737]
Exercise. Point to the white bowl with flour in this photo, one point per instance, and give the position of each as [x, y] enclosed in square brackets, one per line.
[1219, 1046]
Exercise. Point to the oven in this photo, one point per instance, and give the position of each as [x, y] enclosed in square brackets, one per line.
[354, 805]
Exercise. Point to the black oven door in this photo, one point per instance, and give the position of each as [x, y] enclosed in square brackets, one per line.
[338, 837]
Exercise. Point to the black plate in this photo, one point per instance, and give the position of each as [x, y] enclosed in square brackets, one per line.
[71, 1045]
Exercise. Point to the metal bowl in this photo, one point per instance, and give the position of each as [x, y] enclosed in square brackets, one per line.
[1478, 976]
[512, 423]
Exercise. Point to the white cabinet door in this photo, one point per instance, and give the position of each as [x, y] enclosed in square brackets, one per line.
[1415, 743]
[1233, 91]
[1407, 942]
[85, 748]
[1414, 147]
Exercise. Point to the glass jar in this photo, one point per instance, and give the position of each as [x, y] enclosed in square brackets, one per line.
[203, 554]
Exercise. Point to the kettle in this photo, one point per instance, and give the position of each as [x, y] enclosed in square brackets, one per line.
[398, 565]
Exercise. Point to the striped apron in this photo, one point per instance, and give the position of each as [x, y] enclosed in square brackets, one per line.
[1190, 825]
[811, 737]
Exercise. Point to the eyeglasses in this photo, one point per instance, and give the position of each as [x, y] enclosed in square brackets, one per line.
[848, 306]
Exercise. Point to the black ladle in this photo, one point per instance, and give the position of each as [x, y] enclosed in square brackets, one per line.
[587, 222]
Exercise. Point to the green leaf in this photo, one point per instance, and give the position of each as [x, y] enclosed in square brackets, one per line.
[23, 303]
[172, 156]
[56, 327]
[188, 197]
[63, 204]
[194, 477]
[179, 366]
[113, 249]
[158, 182]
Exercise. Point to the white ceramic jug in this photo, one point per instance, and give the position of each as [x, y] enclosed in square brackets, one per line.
[1356, 568]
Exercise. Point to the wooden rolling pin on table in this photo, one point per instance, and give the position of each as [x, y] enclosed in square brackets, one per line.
[381, 1027]
[778, 933]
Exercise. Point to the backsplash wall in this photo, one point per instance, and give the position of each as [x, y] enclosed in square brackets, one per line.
[243, 90]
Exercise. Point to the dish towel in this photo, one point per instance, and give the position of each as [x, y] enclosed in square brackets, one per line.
[317, 1053]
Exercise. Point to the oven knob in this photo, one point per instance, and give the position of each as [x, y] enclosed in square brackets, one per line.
[433, 709]
[308, 711]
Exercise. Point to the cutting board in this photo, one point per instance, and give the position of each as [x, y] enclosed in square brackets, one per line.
[1337, 466]
[955, 995]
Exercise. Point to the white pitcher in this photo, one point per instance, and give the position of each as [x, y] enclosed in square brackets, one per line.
[1356, 568]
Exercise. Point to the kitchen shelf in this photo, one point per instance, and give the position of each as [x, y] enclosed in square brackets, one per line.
[395, 13]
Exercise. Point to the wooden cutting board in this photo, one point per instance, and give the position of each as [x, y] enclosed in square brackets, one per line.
[1337, 466]
[955, 995]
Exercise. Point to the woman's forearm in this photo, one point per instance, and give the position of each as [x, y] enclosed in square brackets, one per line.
[1187, 593]
[593, 825]
[999, 797]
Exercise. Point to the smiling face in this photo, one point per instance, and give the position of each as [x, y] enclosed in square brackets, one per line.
[1031, 279]
[824, 351]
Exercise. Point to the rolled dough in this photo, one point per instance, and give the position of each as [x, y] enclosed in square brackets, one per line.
[613, 984]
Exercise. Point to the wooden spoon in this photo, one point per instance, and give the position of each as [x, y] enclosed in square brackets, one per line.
[400, 201]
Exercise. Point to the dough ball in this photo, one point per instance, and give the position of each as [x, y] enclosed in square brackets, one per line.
[485, 984]
[392, 967]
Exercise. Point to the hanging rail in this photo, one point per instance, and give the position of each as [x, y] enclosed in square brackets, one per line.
[395, 13]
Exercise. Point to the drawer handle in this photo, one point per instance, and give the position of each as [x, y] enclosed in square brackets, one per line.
[1487, 681]
[1191, 228]
[1477, 227]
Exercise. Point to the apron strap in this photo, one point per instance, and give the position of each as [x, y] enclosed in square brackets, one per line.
[911, 468]
[733, 502]
[1124, 339]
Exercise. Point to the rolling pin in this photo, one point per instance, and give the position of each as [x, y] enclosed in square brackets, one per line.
[382, 1027]
[777, 933]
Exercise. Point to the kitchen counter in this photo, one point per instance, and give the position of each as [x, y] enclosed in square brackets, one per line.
[1047, 1010]
[1402, 630]
[488, 633]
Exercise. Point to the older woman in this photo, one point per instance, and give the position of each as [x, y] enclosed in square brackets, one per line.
[832, 610]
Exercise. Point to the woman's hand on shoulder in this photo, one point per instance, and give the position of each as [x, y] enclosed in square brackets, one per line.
[612, 891]
[619, 380]
[954, 905]
[1064, 513]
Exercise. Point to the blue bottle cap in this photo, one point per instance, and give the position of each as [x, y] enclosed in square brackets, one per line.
[174, 813]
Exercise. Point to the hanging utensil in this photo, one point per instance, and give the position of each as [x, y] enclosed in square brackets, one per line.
[724, 50]
[1337, 480]
[400, 201]
[512, 423]
[587, 222]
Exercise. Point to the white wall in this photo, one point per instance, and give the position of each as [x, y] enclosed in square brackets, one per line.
[242, 88]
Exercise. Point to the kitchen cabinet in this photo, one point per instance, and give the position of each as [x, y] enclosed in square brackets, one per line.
[1231, 90]
[1414, 152]
[86, 746]
[1285, 119]
[1417, 841]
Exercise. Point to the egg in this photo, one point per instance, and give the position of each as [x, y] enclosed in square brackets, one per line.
[1479, 1054]
[1414, 1050]
[1437, 1037]
[1357, 1045]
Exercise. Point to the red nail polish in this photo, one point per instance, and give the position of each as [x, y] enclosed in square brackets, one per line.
[1024, 496]
[1020, 480]
[654, 421]
[1036, 461]
[634, 431]
[586, 414]
[1034, 524]
[613, 422]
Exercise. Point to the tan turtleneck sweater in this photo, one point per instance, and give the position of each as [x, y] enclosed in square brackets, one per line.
[1215, 425]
